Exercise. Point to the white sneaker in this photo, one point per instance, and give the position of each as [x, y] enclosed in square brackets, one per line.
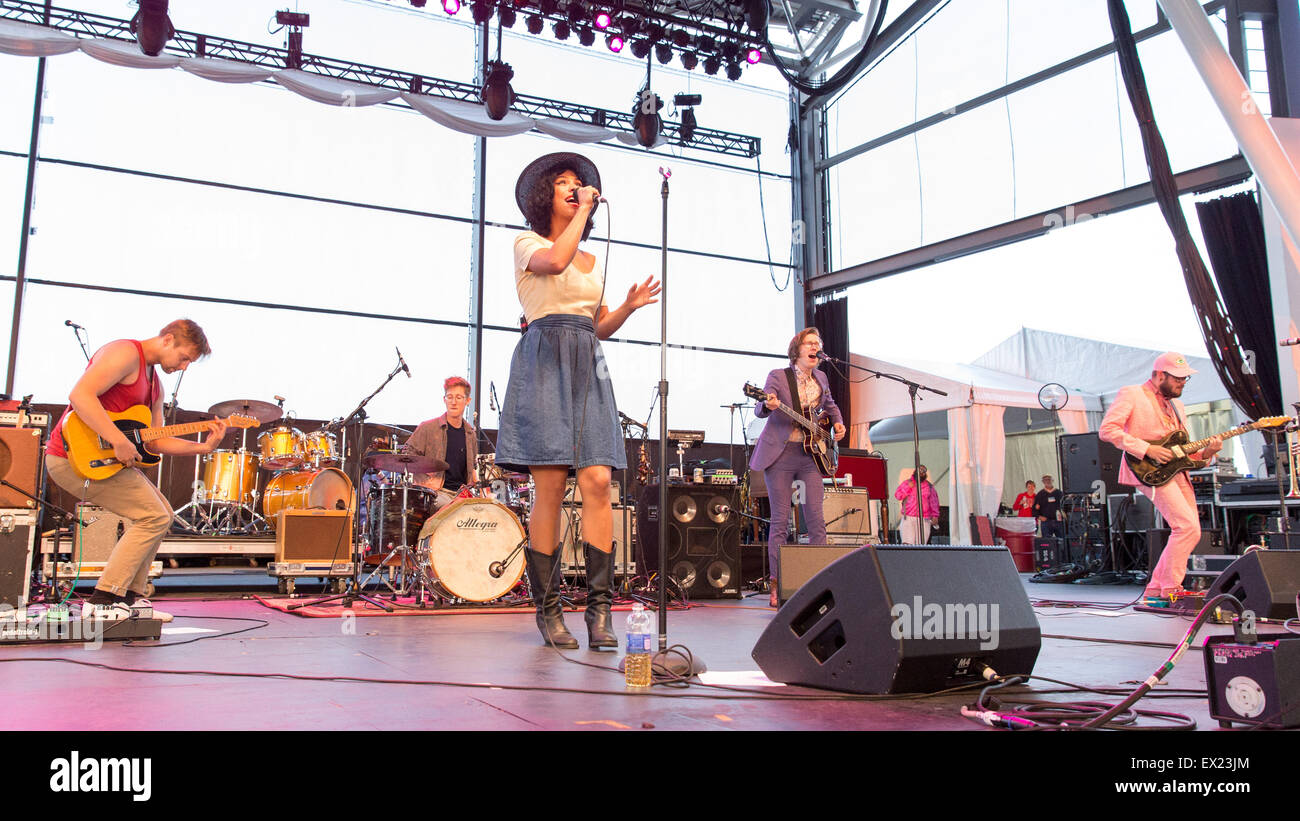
[117, 611]
[143, 609]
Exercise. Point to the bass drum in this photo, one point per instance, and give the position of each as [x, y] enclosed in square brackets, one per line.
[462, 541]
[327, 489]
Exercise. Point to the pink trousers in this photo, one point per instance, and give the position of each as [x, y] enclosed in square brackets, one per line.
[1177, 504]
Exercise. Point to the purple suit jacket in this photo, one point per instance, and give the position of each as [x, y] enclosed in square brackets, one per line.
[777, 430]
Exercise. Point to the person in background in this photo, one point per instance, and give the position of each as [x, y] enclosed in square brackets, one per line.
[1047, 508]
[908, 529]
[1024, 504]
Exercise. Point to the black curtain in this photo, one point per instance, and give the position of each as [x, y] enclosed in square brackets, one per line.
[1234, 237]
[1220, 339]
[832, 319]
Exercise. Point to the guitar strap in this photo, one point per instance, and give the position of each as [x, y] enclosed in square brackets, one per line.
[796, 400]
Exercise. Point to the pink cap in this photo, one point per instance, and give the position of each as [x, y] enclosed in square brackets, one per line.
[1174, 364]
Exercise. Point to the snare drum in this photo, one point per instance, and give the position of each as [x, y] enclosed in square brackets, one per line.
[320, 447]
[464, 539]
[281, 448]
[327, 488]
[384, 513]
[229, 477]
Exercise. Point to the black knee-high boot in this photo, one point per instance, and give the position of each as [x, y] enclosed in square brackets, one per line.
[544, 581]
[600, 595]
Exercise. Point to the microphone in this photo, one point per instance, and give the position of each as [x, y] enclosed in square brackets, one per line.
[822, 357]
[496, 570]
[721, 510]
[492, 396]
[402, 362]
[72, 324]
[630, 422]
[1281, 343]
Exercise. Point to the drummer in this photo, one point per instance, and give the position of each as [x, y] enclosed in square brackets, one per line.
[449, 437]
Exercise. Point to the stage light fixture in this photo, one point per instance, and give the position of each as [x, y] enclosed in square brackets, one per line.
[506, 15]
[688, 125]
[689, 60]
[498, 95]
[664, 53]
[681, 38]
[756, 15]
[631, 24]
[731, 50]
[733, 71]
[614, 42]
[586, 36]
[711, 64]
[481, 10]
[654, 32]
[577, 12]
[561, 29]
[451, 6]
[534, 24]
[645, 118]
[640, 48]
[602, 20]
[419, 4]
[152, 27]
[547, 7]
[753, 56]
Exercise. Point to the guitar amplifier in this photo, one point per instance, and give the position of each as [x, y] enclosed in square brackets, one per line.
[314, 537]
[851, 516]
[24, 446]
[17, 542]
[572, 562]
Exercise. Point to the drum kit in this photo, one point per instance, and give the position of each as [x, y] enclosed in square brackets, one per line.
[304, 474]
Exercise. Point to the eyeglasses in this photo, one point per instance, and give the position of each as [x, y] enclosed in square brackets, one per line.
[455, 397]
[1177, 378]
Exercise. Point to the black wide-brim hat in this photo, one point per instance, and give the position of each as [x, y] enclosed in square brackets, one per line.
[550, 164]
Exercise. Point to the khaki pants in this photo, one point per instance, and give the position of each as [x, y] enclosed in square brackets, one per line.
[907, 531]
[129, 494]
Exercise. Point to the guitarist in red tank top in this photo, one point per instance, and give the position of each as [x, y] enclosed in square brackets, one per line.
[119, 376]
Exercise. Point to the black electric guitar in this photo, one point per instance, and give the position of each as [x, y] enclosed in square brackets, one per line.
[1153, 474]
[818, 436]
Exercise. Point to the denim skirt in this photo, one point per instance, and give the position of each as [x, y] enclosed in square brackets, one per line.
[559, 407]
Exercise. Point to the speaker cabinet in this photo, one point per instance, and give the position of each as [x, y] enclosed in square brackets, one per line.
[572, 561]
[100, 535]
[1086, 459]
[800, 562]
[315, 536]
[903, 619]
[25, 472]
[852, 517]
[17, 542]
[1265, 581]
[703, 544]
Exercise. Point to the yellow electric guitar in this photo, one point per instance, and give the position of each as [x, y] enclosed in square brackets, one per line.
[92, 458]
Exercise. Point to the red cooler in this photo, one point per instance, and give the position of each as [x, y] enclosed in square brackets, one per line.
[1018, 533]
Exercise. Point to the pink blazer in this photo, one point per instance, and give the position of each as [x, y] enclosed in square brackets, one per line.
[1133, 419]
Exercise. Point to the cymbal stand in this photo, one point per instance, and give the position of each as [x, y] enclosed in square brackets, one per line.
[197, 499]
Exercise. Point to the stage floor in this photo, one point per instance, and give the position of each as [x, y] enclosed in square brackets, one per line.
[536, 688]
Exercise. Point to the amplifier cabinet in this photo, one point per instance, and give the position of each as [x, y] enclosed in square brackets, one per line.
[571, 559]
[313, 536]
[17, 541]
[25, 471]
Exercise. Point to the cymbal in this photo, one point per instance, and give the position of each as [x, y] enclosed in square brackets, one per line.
[390, 427]
[261, 411]
[403, 462]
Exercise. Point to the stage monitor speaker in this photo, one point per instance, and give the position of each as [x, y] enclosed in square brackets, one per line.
[1264, 581]
[1086, 459]
[25, 472]
[703, 538]
[313, 535]
[903, 619]
[800, 562]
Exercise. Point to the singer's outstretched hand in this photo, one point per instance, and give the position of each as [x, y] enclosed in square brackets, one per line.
[639, 296]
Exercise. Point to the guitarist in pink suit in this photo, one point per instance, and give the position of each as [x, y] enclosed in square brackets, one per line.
[121, 375]
[1151, 411]
[779, 452]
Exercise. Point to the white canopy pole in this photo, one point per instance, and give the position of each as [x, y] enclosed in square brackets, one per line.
[1259, 144]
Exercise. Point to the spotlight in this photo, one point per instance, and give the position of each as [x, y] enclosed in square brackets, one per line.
[419, 4]
[481, 11]
[152, 27]
[687, 100]
[731, 50]
[506, 15]
[614, 42]
[631, 24]
[497, 95]
[706, 43]
[681, 38]
[561, 29]
[753, 56]
[547, 7]
[654, 32]
[689, 60]
[534, 24]
[688, 125]
[756, 14]
[451, 6]
[711, 64]
[577, 12]
[664, 53]
[586, 36]
[640, 48]
[733, 71]
[602, 20]
[645, 118]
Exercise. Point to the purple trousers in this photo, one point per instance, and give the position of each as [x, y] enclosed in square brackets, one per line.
[793, 476]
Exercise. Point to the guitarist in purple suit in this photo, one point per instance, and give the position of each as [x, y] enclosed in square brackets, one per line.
[780, 452]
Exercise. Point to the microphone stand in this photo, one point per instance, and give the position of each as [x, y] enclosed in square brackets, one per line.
[353, 593]
[76, 331]
[169, 418]
[681, 666]
[912, 389]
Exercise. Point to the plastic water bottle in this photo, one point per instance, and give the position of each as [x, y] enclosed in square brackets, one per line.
[636, 664]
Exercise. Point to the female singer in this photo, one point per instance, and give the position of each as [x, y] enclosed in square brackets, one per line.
[559, 413]
[779, 452]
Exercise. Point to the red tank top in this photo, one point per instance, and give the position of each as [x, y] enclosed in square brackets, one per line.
[143, 391]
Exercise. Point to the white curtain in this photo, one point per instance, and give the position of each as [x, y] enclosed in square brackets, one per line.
[128, 55]
[1074, 421]
[468, 118]
[977, 453]
[29, 40]
[331, 90]
[570, 131]
[224, 71]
